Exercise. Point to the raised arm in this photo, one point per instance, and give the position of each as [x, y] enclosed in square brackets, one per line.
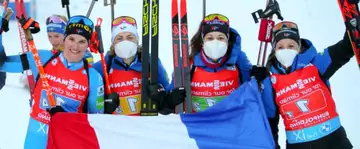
[334, 57]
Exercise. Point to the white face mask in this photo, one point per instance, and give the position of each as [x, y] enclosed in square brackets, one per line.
[125, 49]
[215, 49]
[286, 56]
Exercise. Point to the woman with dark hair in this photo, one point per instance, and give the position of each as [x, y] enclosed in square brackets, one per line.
[218, 64]
[299, 91]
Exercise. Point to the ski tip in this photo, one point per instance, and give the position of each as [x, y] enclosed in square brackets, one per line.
[174, 8]
[183, 8]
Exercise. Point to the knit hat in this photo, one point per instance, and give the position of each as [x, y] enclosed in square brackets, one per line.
[285, 30]
[123, 27]
[80, 25]
[56, 24]
[215, 22]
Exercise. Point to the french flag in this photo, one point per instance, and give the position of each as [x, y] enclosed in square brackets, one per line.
[237, 122]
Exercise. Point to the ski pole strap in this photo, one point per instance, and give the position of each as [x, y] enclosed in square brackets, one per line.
[91, 7]
[30, 24]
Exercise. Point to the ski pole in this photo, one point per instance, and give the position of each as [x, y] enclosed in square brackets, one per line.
[91, 8]
[98, 47]
[204, 8]
[38, 63]
[66, 3]
[266, 25]
[112, 4]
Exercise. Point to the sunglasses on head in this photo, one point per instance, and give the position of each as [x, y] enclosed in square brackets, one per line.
[285, 24]
[219, 17]
[54, 19]
[122, 19]
[80, 18]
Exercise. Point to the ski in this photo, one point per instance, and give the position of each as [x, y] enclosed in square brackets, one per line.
[147, 107]
[181, 60]
[30, 45]
[185, 56]
[154, 51]
[178, 79]
[20, 10]
[350, 14]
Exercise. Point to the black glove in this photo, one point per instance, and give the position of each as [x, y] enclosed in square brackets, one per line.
[4, 26]
[354, 1]
[157, 93]
[54, 110]
[259, 72]
[167, 111]
[29, 23]
[111, 103]
[176, 96]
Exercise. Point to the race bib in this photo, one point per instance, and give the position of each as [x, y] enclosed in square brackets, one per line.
[129, 105]
[202, 103]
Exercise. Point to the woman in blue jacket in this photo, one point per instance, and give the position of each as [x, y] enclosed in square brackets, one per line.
[219, 66]
[124, 69]
[76, 86]
[298, 89]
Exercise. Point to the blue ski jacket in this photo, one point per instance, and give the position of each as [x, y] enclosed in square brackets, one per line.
[36, 137]
[327, 63]
[135, 65]
[237, 57]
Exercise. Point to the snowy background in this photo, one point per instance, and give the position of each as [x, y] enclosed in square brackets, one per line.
[318, 20]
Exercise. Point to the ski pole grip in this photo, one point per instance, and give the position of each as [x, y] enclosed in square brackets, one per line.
[265, 31]
[65, 2]
[259, 12]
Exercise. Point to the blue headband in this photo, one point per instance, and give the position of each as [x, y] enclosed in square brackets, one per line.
[56, 27]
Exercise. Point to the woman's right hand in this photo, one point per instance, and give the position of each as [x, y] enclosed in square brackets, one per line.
[259, 72]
